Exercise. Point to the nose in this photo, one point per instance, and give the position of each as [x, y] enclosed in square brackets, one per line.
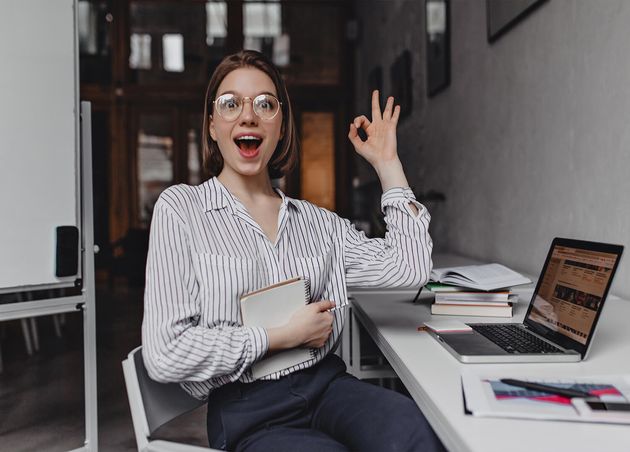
[247, 114]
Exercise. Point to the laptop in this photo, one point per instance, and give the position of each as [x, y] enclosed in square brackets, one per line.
[562, 314]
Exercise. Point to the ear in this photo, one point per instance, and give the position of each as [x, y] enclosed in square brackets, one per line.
[211, 129]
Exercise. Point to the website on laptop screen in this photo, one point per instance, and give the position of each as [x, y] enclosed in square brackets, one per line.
[571, 291]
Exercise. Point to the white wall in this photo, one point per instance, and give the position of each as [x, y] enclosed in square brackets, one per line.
[532, 138]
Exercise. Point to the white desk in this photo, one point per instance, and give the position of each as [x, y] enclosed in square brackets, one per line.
[432, 376]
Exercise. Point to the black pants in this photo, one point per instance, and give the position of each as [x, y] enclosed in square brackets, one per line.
[318, 409]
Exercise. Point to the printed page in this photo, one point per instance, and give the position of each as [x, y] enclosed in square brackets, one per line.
[485, 277]
[487, 396]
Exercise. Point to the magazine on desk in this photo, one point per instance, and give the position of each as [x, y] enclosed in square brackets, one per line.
[488, 396]
[480, 277]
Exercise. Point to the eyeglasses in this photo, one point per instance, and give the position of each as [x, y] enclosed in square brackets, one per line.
[230, 106]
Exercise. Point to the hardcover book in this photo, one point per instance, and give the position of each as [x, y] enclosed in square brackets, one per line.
[469, 309]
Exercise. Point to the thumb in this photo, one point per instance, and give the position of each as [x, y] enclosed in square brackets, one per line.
[325, 305]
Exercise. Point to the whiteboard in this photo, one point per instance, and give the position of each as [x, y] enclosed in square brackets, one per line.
[39, 139]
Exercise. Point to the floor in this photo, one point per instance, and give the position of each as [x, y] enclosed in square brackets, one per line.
[41, 396]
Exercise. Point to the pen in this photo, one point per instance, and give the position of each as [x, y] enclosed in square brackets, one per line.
[565, 392]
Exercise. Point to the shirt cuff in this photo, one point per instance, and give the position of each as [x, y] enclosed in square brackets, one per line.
[259, 342]
[401, 197]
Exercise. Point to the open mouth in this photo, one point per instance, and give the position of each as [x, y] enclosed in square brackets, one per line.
[248, 144]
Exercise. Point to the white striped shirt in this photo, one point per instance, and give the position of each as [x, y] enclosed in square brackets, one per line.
[206, 251]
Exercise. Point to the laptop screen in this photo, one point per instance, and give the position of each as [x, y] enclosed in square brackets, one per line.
[571, 290]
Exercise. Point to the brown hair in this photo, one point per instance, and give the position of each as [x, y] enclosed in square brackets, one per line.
[284, 157]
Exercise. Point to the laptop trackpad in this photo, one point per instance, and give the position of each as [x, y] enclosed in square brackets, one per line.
[472, 343]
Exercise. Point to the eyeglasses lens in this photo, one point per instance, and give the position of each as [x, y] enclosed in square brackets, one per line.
[230, 106]
[265, 106]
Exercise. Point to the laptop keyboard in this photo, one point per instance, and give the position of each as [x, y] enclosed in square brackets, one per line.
[514, 339]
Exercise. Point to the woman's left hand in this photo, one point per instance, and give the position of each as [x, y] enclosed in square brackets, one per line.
[380, 147]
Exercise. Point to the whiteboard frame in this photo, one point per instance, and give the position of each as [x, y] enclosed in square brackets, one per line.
[86, 301]
[84, 220]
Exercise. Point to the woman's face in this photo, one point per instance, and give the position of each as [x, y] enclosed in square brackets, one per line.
[247, 142]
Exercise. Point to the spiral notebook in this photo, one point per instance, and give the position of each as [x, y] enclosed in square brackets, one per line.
[272, 307]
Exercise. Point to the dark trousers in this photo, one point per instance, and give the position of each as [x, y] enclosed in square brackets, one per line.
[318, 409]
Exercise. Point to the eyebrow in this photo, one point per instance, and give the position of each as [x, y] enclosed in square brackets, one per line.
[235, 93]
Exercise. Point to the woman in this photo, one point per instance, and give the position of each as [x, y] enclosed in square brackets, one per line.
[212, 243]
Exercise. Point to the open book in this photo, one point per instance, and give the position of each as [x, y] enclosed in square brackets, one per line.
[480, 277]
[272, 307]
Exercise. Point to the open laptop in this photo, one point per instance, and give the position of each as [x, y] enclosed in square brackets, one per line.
[562, 315]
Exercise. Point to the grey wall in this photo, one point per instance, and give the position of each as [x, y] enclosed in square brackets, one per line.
[387, 28]
[531, 139]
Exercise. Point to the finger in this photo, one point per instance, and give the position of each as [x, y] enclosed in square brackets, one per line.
[396, 114]
[361, 122]
[376, 108]
[354, 137]
[325, 305]
[353, 132]
[389, 106]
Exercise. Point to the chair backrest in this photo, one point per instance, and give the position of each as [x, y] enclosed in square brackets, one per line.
[152, 404]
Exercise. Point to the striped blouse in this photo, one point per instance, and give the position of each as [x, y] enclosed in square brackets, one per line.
[206, 251]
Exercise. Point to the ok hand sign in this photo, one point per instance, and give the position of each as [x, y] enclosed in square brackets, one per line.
[380, 146]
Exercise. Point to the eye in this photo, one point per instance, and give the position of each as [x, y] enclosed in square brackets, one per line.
[228, 102]
[266, 103]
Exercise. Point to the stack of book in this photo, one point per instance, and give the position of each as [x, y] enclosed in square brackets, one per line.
[475, 290]
[453, 300]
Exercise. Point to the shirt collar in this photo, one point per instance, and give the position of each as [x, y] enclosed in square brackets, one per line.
[287, 201]
[217, 196]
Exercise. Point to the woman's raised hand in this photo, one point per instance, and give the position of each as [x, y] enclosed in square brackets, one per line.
[380, 146]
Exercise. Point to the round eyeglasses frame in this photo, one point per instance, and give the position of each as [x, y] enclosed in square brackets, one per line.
[242, 103]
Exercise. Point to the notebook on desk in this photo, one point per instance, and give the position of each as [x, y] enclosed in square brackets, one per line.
[562, 315]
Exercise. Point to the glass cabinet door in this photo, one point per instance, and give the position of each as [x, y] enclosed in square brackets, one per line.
[154, 161]
[317, 162]
[193, 149]
[167, 151]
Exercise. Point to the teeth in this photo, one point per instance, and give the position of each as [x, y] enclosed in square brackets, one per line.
[248, 137]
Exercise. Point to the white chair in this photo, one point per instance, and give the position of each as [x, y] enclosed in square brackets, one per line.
[153, 404]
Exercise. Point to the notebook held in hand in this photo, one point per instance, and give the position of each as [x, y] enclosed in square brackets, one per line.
[272, 307]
